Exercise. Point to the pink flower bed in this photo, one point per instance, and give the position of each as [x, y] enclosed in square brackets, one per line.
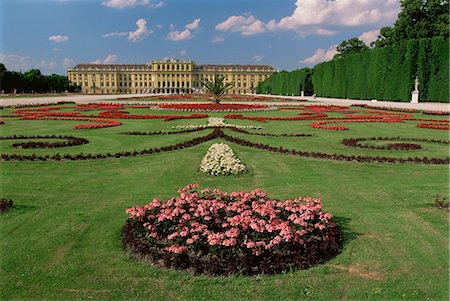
[219, 233]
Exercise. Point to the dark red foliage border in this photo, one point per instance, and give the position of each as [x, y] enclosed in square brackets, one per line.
[71, 141]
[230, 261]
[355, 142]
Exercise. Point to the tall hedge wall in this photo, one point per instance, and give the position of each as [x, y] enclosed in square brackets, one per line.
[291, 83]
[386, 73]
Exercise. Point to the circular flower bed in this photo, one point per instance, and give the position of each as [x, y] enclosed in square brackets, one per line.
[210, 107]
[218, 233]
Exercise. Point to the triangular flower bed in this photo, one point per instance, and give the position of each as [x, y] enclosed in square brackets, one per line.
[220, 160]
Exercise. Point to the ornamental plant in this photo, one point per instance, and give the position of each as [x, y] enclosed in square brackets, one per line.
[217, 87]
[219, 233]
[220, 160]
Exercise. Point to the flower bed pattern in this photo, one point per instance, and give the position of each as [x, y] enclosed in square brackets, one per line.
[220, 160]
[210, 107]
[217, 233]
[70, 141]
[217, 122]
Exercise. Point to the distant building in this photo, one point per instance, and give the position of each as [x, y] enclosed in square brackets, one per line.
[165, 76]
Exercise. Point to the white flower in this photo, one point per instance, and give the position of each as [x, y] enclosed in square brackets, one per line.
[220, 159]
[217, 122]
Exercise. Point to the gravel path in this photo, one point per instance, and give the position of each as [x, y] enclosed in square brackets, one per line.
[290, 100]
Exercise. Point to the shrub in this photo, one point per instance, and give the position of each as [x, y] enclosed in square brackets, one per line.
[441, 202]
[5, 205]
[219, 233]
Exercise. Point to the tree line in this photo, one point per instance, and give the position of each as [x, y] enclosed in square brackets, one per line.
[33, 81]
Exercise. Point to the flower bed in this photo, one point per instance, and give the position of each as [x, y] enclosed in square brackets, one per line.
[355, 142]
[216, 122]
[210, 107]
[70, 141]
[435, 113]
[5, 205]
[220, 160]
[218, 233]
[434, 126]
[321, 124]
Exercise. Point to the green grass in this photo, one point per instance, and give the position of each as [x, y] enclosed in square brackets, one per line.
[62, 239]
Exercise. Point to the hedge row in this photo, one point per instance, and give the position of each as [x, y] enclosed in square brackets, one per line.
[386, 73]
[291, 83]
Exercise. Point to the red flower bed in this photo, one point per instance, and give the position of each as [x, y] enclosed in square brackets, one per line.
[434, 126]
[435, 113]
[103, 123]
[218, 233]
[120, 115]
[264, 119]
[320, 124]
[210, 107]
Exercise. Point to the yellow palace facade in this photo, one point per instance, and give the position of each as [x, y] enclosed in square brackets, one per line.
[165, 76]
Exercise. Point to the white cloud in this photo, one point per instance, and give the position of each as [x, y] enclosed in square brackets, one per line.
[114, 34]
[176, 35]
[15, 62]
[218, 39]
[47, 64]
[321, 55]
[24, 63]
[246, 25]
[157, 5]
[194, 25]
[55, 49]
[68, 63]
[257, 58]
[134, 36]
[369, 36]
[121, 4]
[58, 38]
[183, 52]
[110, 59]
[140, 33]
[337, 13]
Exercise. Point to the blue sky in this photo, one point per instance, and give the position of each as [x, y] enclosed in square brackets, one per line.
[53, 35]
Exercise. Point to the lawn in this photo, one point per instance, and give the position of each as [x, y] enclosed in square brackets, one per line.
[62, 239]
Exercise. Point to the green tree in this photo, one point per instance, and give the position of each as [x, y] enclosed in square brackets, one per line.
[353, 45]
[417, 19]
[217, 87]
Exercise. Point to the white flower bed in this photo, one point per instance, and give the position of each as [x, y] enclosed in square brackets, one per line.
[216, 122]
[220, 159]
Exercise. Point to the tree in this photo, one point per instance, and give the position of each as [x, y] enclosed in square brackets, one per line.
[417, 19]
[2, 72]
[353, 45]
[217, 87]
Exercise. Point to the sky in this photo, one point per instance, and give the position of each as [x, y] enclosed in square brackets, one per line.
[54, 35]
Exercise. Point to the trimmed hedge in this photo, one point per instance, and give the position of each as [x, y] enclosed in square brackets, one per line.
[291, 83]
[386, 73]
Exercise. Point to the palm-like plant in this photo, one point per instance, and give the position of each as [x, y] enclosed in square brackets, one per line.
[217, 87]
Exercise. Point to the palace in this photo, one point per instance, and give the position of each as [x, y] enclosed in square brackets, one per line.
[165, 76]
